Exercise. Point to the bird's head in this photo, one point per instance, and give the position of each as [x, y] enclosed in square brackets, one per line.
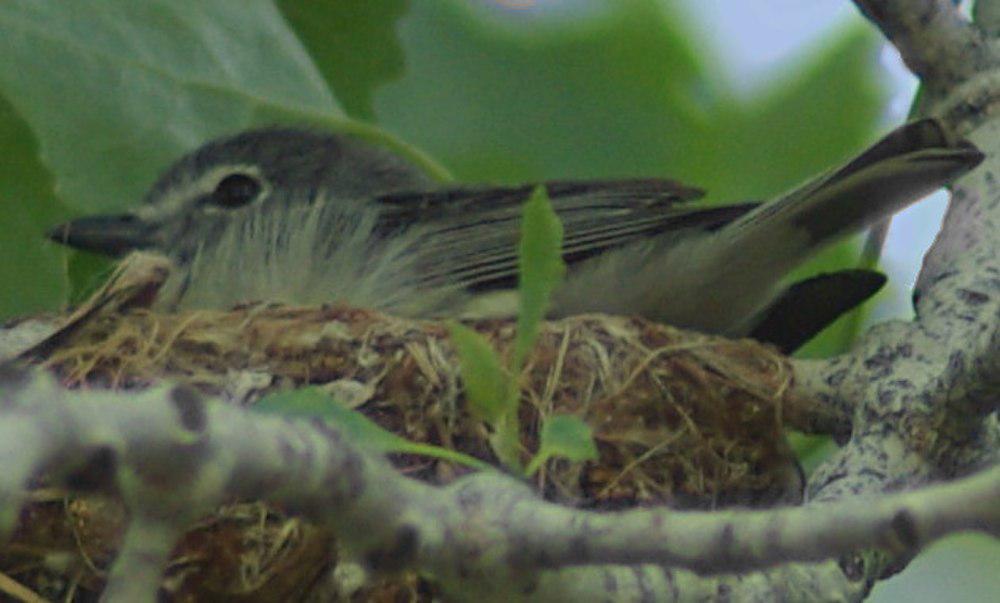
[224, 181]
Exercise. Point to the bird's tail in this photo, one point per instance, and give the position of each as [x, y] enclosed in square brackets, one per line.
[909, 163]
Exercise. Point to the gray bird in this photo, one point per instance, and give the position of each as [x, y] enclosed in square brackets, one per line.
[300, 216]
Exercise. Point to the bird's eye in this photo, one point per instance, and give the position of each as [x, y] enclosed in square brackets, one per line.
[236, 190]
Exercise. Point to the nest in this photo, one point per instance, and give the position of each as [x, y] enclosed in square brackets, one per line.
[679, 418]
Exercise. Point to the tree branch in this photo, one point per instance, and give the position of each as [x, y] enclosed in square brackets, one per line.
[174, 455]
[937, 43]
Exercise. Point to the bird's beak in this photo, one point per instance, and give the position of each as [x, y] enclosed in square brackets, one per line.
[112, 235]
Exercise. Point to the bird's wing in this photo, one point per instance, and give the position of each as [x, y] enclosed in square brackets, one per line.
[470, 235]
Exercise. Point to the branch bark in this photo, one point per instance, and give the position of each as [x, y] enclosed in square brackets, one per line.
[937, 43]
[174, 456]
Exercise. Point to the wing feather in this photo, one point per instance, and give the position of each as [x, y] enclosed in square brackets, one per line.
[468, 236]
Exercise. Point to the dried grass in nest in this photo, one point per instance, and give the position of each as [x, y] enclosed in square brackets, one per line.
[676, 414]
[680, 418]
[242, 552]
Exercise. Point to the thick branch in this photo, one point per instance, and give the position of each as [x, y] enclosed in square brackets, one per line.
[937, 43]
[925, 393]
[173, 454]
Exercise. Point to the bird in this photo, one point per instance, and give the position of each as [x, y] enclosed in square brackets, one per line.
[298, 215]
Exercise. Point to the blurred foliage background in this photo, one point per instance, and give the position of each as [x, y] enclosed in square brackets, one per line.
[97, 96]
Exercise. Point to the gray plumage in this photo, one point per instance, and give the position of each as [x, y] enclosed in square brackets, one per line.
[303, 217]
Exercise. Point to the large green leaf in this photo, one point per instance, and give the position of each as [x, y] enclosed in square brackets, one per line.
[114, 89]
[353, 44]
[624, 91]
[32, 273]
[616, 93]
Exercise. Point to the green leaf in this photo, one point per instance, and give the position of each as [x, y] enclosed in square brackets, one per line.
[87, 273]
[307, 402]
[541, 269]
[566, 436]
[313, 402]
[491, 392]
[490, 388]
[614, 91]
[33, 271]
[354, 45]
[114, 90]
[488, 385]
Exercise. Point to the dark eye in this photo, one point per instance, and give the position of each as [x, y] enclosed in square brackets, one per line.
[235, 190]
